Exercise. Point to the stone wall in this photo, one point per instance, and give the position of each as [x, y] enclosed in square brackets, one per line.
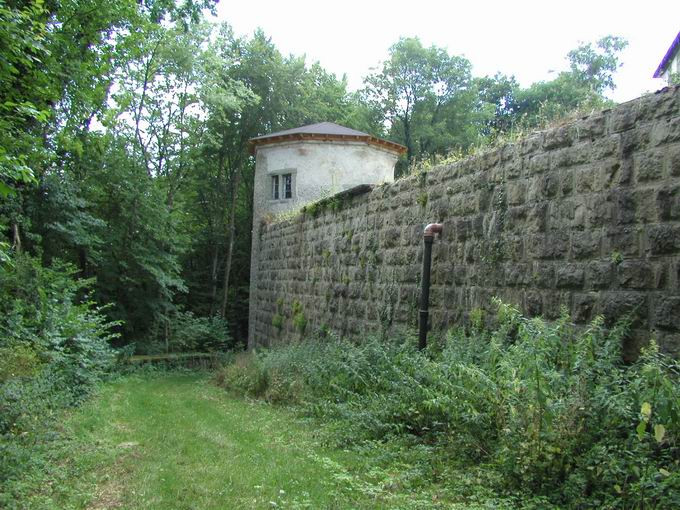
[585, 215]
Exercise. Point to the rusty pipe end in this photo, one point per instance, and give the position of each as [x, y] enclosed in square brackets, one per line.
[432, 229]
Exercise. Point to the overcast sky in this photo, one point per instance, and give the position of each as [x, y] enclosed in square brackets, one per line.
[524, 38]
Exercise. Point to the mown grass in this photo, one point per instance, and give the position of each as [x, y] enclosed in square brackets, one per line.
[175, 441]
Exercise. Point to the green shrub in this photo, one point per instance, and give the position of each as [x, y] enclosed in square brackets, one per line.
[54, 346]
[187, 332]
[18, 360]
[552, 412]
[244, 375]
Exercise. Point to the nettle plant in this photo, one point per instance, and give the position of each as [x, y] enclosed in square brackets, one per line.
[546, 410]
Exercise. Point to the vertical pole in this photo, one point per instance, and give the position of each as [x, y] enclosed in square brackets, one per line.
[425, 292]
[428, 239]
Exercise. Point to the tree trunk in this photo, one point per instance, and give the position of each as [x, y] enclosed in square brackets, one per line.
[410, 152]
[230, 243]
[167, 335]
[82, 261]
[16, 238]
[213, 280]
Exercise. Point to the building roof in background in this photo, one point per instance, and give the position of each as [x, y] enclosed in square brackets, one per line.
[321, 128]
[325, 132]
[668, 57]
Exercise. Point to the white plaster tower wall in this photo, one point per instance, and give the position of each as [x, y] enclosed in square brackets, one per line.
[319, 169]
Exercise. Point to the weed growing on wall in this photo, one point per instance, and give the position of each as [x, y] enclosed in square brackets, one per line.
[277, 321]
[537, 412]
[299, 319]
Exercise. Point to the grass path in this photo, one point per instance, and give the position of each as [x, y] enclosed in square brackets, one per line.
[177, 442]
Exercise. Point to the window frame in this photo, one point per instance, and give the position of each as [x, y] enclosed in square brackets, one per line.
[275, 191]
[278, 182]
[287, 186]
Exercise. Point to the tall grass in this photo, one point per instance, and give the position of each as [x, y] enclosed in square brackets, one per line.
[551, 412]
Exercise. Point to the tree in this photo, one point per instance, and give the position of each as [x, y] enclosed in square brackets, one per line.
[418, 89]
[590, 75]
[250, 89]
[58, 63]
[594, 66]
[497, 96]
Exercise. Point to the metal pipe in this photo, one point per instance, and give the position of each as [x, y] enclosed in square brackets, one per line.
[428, 238]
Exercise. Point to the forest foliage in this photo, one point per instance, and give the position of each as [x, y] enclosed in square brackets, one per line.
[124, 144]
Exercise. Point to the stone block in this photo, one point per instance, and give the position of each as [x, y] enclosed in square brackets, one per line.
[600, 274]
[462, 229]
[490, 159]
[570, 156]
[619, 304]
[460, 273]
[674, 160]
[566, 183]
[585, 179]
[515, 218]
[543, 187]
[513, 246]
[391, 237]
[517, 275]
[438, 209]
[635, 274]
[624, 205]
[516, 192]
[554, 302]
[665, 131]
[569, 276]
[543, 275]
[510, 152]
[668, 202]
[585, 244]
[468, 166]
[604, 148]
[667, 313]
[533, 303]
[600, 211]
[557, 137]
[537, 218]
[538, 164]
[670, 344]
[645, 201]
[622, 118]
[512, 169]
[619, 241]
[611, 173]
[547, 246]
[583, 307]
[663, 239]
[661, 104]
[530, 144]
[580, 216]
[648, 166]
[485, 197]
[472, 252]
[589, 128]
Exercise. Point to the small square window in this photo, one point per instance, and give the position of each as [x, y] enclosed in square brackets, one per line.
[275, 187]
[287, 186]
